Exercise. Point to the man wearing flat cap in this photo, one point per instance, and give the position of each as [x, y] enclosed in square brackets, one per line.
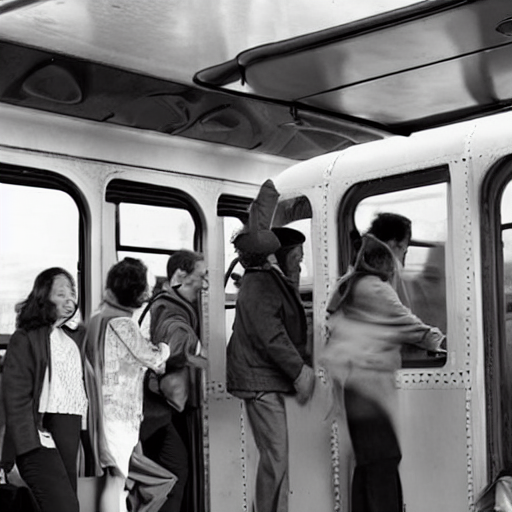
[267, 356]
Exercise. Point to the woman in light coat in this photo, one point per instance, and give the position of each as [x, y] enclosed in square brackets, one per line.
[368, 325]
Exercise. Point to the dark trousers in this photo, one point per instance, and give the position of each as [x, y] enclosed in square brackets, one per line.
[376, 487]
[166, 447]
[267, 417]
[51, 473]
[376, 483]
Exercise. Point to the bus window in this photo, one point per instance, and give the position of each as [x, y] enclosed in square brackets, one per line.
[39, 228]
[423, 274]
[233, 210]
[496, 231]
[153, 222]
[506, 236]
[171, 229]
[233, 270]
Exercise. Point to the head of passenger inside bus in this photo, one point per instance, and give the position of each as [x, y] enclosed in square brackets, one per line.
[255, 246]
[52, 300]
[291, 253]
[376, 258]
[127, 282]
[187, 271]
[395, 230]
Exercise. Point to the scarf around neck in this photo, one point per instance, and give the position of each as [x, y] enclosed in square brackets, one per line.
[360, 268]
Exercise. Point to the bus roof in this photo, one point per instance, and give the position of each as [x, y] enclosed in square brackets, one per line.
[290, 78]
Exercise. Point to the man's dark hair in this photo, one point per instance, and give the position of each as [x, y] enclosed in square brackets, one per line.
[391, 226]
[183, 260]
[37, 310]
[127, 280]
[252, 259]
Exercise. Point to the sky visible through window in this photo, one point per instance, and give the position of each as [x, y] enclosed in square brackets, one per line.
[38, 230]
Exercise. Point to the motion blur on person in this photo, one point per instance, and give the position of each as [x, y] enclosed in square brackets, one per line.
[368, 325]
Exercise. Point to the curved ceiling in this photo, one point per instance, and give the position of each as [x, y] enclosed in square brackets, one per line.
[279, 77]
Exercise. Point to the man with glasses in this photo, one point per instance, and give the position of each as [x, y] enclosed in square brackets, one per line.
[171, 429]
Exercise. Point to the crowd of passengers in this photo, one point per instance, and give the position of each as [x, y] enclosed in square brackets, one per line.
[124, 402]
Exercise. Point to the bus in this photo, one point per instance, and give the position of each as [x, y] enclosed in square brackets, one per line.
[137, 129]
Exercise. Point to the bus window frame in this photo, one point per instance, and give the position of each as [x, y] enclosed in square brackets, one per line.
[231, 205]
[42, 178]
[497, 390]
[383, 185]
[134, 192]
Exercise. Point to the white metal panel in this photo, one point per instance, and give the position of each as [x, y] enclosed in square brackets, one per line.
[442, 407]
[433, 441]
[51, 133]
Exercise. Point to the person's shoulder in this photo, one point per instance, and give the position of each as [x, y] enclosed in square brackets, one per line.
[124, 327]
[23, 332]
[19, 335]
[122, 320]
[167, 299]
[23, 337]
[370, 283]
[262, 283]
[258, 277]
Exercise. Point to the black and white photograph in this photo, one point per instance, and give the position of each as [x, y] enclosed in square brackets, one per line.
[256, 256]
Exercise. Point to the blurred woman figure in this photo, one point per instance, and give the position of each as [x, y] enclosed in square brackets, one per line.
[44, 393]
[117, 356]
[368, 325]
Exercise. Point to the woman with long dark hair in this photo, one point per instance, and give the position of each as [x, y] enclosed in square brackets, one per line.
[44, 393]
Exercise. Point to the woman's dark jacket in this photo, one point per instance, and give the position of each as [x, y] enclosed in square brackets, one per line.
[268, 346]
[26, 360]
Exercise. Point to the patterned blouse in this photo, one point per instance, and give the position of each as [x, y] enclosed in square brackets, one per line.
[128, 354]
[65, 392]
